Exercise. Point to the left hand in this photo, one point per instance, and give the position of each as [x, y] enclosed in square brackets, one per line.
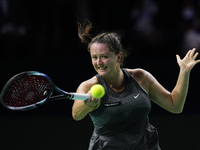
[188, 62]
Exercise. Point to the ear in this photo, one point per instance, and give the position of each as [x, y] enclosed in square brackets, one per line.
[119, 57]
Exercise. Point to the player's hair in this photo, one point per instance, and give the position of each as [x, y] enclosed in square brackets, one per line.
[110, 38]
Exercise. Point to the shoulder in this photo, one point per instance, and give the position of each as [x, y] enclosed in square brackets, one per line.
[85, 86]
[143, 77]
[138, 74]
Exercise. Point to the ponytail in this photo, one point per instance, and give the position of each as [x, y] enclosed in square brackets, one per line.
[83, 33]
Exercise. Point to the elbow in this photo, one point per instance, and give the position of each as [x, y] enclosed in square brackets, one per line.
[75, 114]
[76, 117]
[176, 107]
[176, 110]
[78, 113]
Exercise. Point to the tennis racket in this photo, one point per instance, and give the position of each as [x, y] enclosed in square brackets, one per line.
[28, 90]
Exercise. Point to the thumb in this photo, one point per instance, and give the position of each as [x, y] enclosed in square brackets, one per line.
[178, 57]
[198, 61]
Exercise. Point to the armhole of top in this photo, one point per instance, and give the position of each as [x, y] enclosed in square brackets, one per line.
[128, 74]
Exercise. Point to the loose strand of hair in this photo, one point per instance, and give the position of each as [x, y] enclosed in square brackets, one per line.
[83, 32]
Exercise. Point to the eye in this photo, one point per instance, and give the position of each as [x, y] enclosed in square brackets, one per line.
[104, 57]
[94, 57]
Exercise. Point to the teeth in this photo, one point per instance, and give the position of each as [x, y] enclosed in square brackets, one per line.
[102, 68]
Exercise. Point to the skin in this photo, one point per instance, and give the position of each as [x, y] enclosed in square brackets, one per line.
[107, 64]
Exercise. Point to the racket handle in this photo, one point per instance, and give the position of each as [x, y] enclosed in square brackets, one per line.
[72, 96]
[79, 96]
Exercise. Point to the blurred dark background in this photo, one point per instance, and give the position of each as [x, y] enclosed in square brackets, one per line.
[42, 36]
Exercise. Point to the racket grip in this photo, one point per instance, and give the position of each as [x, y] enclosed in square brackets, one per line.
[78, 96]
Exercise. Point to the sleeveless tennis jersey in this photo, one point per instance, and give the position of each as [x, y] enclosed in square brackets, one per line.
[121, 121]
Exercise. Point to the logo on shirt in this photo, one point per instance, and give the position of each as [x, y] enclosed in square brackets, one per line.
[136, 96]
[112, 104]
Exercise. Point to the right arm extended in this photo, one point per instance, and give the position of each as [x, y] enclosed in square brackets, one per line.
[81, 108]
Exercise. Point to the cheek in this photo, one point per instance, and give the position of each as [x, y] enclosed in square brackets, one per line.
[111, 62]
[94, 63]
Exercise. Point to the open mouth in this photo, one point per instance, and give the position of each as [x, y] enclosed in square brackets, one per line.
[102, 68]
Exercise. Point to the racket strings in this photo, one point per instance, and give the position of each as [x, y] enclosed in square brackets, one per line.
[27, 90]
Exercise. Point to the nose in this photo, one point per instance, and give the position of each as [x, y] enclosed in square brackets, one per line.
[99, 61]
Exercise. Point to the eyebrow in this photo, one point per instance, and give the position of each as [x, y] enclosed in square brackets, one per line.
[101, 54]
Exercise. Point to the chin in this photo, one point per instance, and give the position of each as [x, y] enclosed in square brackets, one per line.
[102, 72]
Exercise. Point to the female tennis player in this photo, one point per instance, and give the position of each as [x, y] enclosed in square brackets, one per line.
[120, 118]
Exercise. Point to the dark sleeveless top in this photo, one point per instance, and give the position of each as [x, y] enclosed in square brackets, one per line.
[121, 121]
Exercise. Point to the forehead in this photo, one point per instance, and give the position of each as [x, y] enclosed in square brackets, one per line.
[99, 48]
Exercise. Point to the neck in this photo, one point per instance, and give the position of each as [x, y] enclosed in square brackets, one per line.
[116, 82]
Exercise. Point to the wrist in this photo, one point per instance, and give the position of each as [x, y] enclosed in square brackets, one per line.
[89, 104]
[185, 71]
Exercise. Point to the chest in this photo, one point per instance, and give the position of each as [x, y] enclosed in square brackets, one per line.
[130, 105]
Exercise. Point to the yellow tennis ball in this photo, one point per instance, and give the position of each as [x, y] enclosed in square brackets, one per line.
[97, 91]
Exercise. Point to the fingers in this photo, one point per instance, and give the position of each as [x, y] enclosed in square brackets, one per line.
[191, 55]
[92, 101]
[95, 100]
[192, 52]
[196, 54]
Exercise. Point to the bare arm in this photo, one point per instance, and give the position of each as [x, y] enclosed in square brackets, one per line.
[174, 101]
[179, 93]
[81, 108]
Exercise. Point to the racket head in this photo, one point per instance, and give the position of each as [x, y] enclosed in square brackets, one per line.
[26, 90]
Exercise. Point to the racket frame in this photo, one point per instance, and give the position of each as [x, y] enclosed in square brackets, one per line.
[48, 97]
